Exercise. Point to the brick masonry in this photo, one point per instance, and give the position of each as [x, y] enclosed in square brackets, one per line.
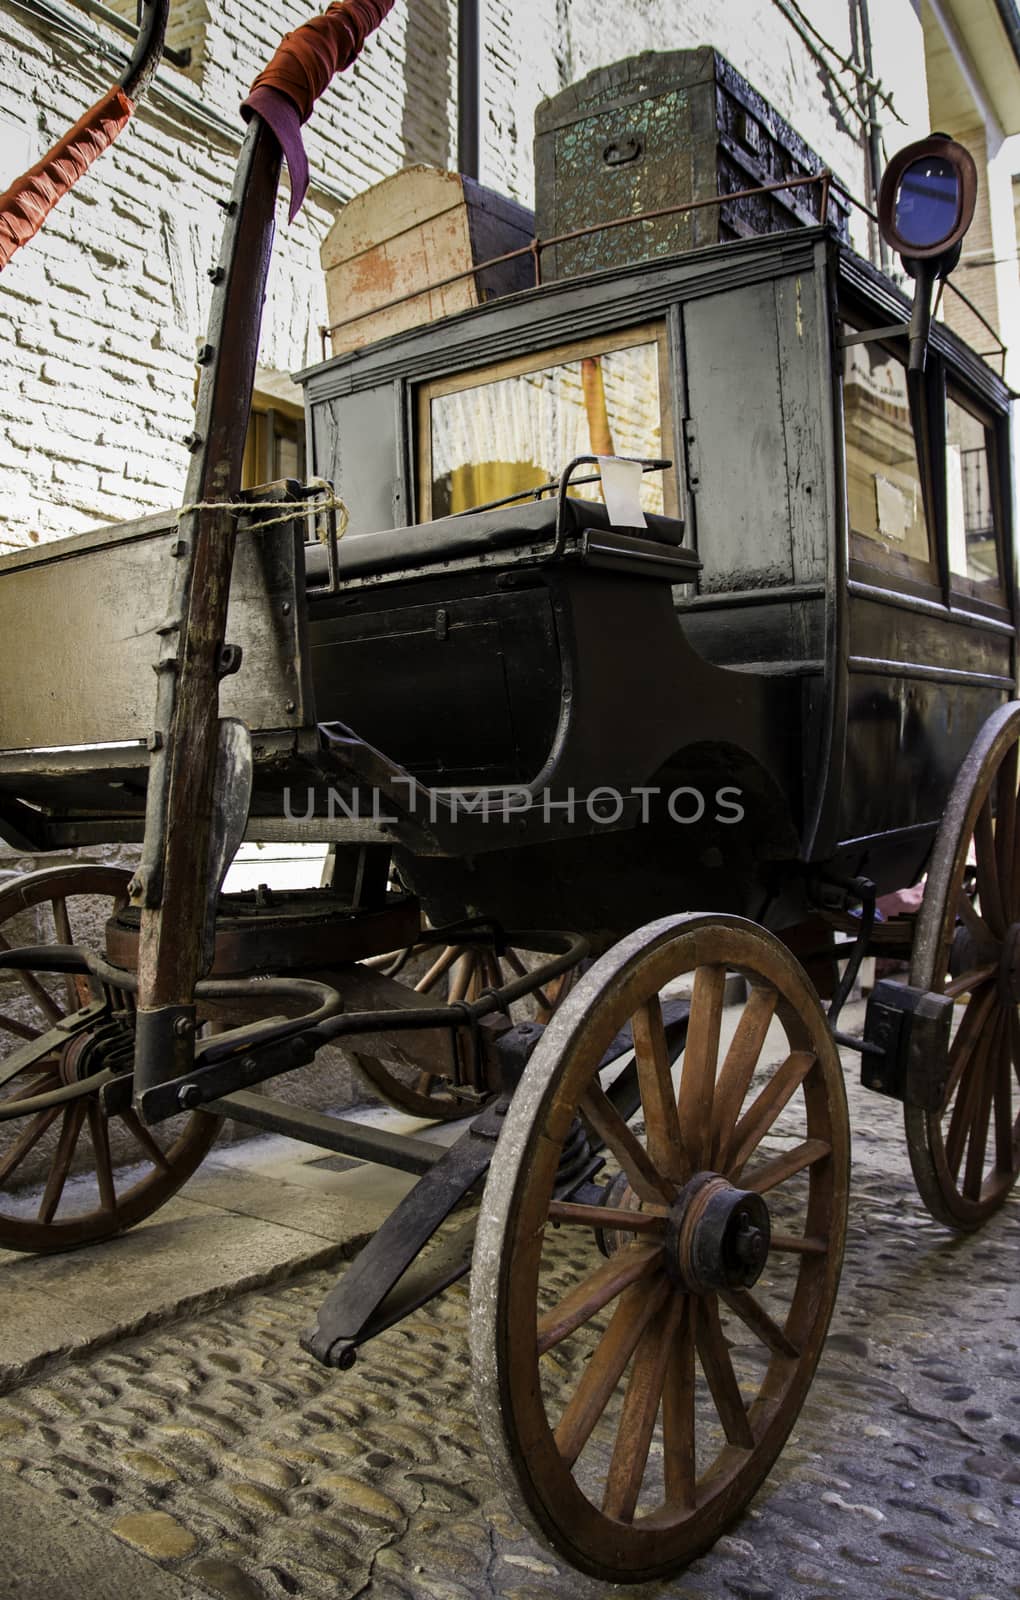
[101, 315]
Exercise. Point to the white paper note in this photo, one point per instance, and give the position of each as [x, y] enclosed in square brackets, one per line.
[621, 485]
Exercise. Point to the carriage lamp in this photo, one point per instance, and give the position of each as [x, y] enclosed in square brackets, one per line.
[925, 206]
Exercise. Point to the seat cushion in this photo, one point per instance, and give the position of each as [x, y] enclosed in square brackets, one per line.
[475, 533]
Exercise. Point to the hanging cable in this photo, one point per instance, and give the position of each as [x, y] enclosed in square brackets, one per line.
[805, 28]
[816, 55]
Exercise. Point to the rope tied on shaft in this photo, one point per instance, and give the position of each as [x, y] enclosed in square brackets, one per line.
[325, 500]
[31, 198]
[306, 60]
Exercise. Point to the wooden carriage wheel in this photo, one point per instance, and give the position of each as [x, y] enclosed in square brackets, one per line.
[458, 972]
[633, 1401]
[78, 1203]
[966, 1155]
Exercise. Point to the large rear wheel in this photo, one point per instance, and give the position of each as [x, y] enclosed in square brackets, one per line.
[70, 1174]
[640, 1357]
[966, 1155]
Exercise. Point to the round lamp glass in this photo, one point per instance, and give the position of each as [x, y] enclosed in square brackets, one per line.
[927, 202]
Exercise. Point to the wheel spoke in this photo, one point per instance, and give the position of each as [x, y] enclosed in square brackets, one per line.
[978, 1140]
[754, 1316]
[35, 991]
[74, 1116]
[967, 1096]
[29, 1139]
[798, 1244]
[759, 1118]
[99, 1132]
[461, 977]
[968, 981]
[607, 1123]
[738, 1067]
[606, 1217]
[638, 1413]
[134, 1124]
[722, 1381]
[678, 1433]
[701, 1056]
[658, 1099]
[596, 1291]
[772, 1173]
[987, 873]
[1005, 830]
[638, 1305]
[968, 1036]
[75, 987]
[1005, 1155]
[18, 1029]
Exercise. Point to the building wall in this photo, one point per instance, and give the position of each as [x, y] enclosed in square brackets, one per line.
[100, 316]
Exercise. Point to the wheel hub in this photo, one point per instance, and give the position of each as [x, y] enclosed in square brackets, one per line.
[1009, 965]
[109, 1044]
[717, 1237]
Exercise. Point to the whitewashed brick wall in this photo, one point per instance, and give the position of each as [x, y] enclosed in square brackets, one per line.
[101, 314]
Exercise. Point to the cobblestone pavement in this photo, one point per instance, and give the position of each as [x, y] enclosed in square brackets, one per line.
[216, 1448]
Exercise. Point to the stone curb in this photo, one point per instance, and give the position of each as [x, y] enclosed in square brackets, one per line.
[14, 1374]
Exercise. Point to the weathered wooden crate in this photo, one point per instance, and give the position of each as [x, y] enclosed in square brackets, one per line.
[658, 130]
[408, 233]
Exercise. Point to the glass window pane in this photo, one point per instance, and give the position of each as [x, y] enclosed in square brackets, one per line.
[971, 523]
[512, 434]
[883, 482]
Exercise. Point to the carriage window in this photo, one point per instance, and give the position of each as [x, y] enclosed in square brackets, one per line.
[506, 430]
[886, 508]
[973, 553]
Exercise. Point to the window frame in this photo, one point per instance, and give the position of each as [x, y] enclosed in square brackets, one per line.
[958, 583]
[941, 383]
[626, 338]
[920, 577]
[262, 435]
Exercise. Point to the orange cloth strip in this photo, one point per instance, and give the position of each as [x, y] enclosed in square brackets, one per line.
[29, 200]
[309, 57]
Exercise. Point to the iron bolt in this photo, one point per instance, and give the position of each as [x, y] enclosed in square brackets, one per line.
[193, 441]
[216, 274]
[205, 355]
[189, 1096]
[183, 1027]
[750, 1245]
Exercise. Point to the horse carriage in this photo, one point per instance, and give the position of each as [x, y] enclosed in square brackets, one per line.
[642, 746]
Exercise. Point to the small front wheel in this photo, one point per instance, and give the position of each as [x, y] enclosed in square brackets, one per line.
[640, 1355]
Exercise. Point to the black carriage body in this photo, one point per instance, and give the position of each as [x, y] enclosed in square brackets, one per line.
[836, 684]
[812, 690]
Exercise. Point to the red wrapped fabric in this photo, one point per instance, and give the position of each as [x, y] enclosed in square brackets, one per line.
[284, 93]
[29, 201]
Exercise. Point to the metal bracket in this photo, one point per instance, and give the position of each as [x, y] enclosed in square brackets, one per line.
[386, 1281]
[906, 1032]
[892, 330]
